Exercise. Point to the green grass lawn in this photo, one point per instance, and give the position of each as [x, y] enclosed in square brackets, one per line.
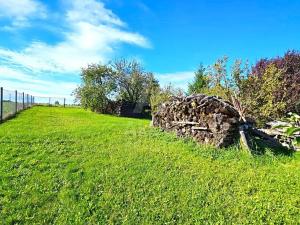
[70, 166]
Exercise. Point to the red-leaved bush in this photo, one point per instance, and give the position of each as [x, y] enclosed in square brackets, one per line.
[289, 64]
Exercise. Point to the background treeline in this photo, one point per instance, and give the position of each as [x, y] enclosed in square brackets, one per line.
[266, 91]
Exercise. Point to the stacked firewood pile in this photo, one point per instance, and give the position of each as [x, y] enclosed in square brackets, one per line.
[208, 119]
[275, 129]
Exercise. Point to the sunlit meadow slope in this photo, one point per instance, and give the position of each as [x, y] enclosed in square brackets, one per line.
[70, 166]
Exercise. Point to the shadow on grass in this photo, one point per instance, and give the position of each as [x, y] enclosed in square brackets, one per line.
[14, 115]
[260, 147]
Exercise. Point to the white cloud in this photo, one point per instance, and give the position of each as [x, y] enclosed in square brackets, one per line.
[20, 11]
[178, 79]
[90, 38]
[91, 34]
[13, 79]
[92, 12]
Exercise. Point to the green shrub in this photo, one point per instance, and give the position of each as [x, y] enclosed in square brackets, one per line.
[201, 81]
[161, 95]
[258, 95]
[293, 127]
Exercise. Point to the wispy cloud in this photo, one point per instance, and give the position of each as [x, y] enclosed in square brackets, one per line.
[21, 11]
[92, 12]
[178, 79]
[91, 34]
[31, 84]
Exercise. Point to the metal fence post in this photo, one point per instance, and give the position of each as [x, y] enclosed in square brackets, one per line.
[16, 98]
[1, 104]
[23, 96]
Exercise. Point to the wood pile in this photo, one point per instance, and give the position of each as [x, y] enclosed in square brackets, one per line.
[278, 133]
[207, 119]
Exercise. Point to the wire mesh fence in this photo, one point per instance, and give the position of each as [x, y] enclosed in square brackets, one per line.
[11, 102]
[38, 100]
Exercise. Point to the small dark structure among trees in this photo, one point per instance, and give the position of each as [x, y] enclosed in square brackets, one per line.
[129, 109]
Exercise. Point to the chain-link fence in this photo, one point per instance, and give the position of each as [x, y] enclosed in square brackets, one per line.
[11, 102]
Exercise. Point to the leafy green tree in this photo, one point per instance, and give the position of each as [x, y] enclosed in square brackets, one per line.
[201, 81]
[125, 80]
[258, 95]
[161, 95]
[134, 83]
[290, 66]
[238, 75]
[220, 81]
[98, 85]
[264, 92]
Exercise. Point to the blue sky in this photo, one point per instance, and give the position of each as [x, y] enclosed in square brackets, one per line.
[43, 44]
